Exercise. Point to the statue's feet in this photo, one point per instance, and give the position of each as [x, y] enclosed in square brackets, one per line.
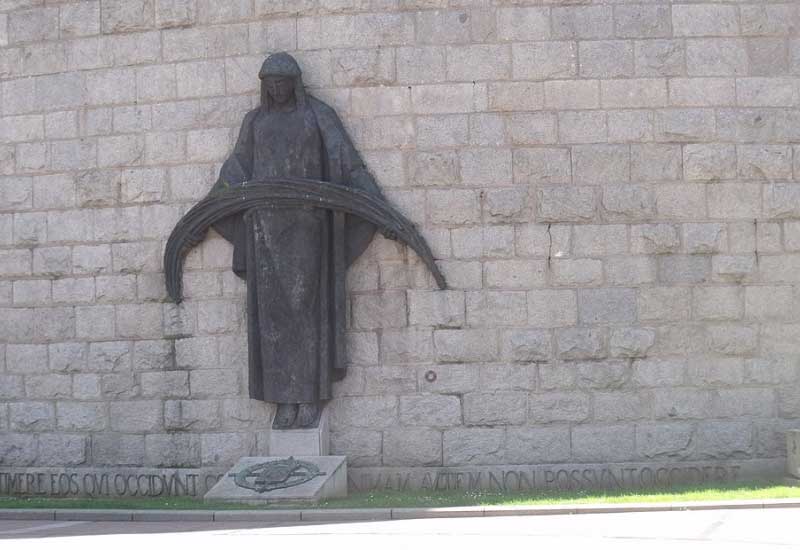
[285, 416]
[307, 415]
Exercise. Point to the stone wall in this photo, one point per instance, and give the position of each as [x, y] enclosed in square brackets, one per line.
[611, 187]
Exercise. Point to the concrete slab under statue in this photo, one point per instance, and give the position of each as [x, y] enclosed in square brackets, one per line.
[282, 479]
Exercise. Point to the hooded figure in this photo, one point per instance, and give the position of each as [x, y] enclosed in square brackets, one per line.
[294, 259]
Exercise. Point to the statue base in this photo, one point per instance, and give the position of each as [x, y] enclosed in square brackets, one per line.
[793, 453]
[305, 442]
[282, 479]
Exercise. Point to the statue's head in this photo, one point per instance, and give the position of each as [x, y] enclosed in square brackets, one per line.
[281, 81]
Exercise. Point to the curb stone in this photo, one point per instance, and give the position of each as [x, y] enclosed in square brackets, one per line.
[93, 515]
[28, 514]
[344, 514]
[258, 515]
[173, 515]
[380, 514]
[458, 512]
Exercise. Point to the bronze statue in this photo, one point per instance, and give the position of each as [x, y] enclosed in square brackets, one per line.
[299, 206]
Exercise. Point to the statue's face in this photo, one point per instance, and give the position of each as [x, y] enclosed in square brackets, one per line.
[280, 89]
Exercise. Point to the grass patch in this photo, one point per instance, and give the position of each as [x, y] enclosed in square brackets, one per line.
[430, 499]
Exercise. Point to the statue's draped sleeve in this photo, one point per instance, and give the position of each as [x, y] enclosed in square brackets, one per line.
[237, 168]
[344, 166]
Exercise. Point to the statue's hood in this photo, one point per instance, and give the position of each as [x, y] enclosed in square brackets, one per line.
[282, 64]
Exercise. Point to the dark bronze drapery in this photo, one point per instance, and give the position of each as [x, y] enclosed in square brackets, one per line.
[288, 193]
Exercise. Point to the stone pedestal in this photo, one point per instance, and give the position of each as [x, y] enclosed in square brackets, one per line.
[282, 479]
[310, 442]
[793, 453]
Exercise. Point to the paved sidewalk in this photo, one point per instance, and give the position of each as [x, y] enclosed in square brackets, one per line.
[742, 529]
[381, 514]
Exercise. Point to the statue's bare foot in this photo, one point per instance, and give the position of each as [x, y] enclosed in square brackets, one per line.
[285, 416]
[307, 415]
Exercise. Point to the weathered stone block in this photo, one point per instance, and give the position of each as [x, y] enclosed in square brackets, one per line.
[430, 410]
[544, 60]
[581, 343]
[531, 128]
[607, 305]
[651, 373]
[18, 449]
[705, 238]
[582, 126]
[716, 57]
[125, 15]
[582, 22]
[448, 379]
[362, 448]
[47, 386]
[732, 340]
[702, 92]
[681, 268]
[593, 164]
[194, 414]
[483, 242]
[664, 440]
[62, 449]
[172, 450]
[526, 345]
[659, 58]
[717, 303]
[584, 272]
[709, 162]
[604, 443]
[570, 94]
[684, 125]
[26, 358]
[558, 204]
[453, 207]
[226, 448]
[453, 346]
[33, 25]
[724, 439]
[366, 412]
[631, 342]
[552, 308]
[412, 447]
[496, 308]
[522, 23]
[542, 165]
[553, 406]
[466, 446]
[31, 416]
[136, 416]
[521, 376]
[214, 382]
[705, 20]
[744, 402]
[620, 406]
[642, 21]
[514, 274]
[769, 303]
[537, 445]
[498, 408]
[664, 303]
[599, 240]
[606, 58]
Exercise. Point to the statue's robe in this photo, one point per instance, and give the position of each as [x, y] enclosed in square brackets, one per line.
[294, 259]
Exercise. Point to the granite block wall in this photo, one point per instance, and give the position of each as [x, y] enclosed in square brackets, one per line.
[612, 189]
